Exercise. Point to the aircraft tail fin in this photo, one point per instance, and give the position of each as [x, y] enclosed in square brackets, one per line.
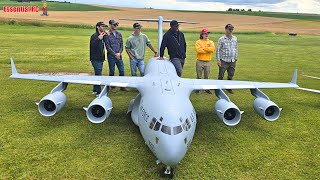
[294, 77]
[13, 67]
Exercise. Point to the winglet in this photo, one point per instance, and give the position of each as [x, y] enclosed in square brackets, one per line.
[294, 77]
[13, 67]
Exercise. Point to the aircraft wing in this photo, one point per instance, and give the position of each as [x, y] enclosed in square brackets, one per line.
[156, 20]
[206, 84]
[117, 81]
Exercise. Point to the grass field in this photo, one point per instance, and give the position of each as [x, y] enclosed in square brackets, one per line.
[57, 6]
[301, 16]
[69, 146]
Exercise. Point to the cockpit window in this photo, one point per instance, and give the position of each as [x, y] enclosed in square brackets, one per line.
[157, 126]
[177, 130]
[186, 125]
[166, 129]
[152, 123]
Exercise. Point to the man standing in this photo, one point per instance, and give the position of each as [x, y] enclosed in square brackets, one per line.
[227, 54]
[204, 49]
[97, 53]
[114, 46]
[174, 40]
[136, 48]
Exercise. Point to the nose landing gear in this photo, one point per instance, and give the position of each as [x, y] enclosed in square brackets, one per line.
[167, 172]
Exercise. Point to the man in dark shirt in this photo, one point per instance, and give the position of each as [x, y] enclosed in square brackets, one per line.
[114, 44]
[175, 42]
[97, 53]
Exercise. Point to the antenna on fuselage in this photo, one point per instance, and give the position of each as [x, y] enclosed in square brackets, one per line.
[160, 21]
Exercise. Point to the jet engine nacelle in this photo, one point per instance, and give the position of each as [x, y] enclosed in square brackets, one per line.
[266, 109]
[99, 109]
[52, 103]
[228, 112]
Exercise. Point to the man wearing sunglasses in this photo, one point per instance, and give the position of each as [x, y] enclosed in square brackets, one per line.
[97, 53]
[136, 49]
[114, 44]
[227, 54]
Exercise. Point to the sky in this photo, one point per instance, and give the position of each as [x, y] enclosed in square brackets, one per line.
[293, 6]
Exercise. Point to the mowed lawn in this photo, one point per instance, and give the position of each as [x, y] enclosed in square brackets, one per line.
[69, 146]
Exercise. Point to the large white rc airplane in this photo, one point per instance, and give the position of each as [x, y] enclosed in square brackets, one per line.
[162, 110]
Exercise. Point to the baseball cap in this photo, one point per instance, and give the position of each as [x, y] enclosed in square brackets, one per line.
[101, 24]
[174, 23]
[112, 21]
[136, 25]
[229, 26]
[204, 30]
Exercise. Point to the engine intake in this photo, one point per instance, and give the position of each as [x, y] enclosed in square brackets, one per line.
[228, 112]
[52, 103]
[266, 109]
[99, 109]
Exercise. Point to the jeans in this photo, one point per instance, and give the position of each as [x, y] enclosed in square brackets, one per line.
[178, 64]
[134, 63]
[114, 61]
[97, 66]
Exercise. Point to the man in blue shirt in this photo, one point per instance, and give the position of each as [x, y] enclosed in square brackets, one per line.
[114, 44]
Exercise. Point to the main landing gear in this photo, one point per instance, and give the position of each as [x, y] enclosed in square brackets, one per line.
[167, 172]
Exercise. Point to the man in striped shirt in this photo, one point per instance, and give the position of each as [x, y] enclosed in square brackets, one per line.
[227, 54]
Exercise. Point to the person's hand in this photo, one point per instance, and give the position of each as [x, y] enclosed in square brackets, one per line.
[219, 63]
[155, 54]
[100, 37]
[160, 58]
[118, 55]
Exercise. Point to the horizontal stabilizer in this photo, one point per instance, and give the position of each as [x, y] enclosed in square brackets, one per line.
[311, 77]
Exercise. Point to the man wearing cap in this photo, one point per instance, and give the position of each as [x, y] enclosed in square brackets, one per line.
[175, 42]
[204, 49]
[136, 48]
[97, 53]
[114, 46]
[227, 54]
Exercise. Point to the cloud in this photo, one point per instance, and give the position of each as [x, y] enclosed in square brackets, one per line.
[293, 6]
[237, 1]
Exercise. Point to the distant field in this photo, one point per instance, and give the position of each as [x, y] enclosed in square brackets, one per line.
[57, 6]
[68, 146]
[301, 16]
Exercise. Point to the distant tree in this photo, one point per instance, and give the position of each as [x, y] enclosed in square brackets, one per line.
[230, 9]
[237, 9]
[243, 10]
[250, 10]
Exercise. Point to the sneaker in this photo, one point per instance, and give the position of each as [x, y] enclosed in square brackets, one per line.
[230, 91]
[113, 90]
[208, 91]
[196, 91]
[94, 92]
[124, 89]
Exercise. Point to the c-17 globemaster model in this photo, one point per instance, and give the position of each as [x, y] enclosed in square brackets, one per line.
[162, 109]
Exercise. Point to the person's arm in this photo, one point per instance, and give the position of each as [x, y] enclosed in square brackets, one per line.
[199, 49]
[210, 48]
[94, 39]
[128, 47]
[185, 44]
[218, 53]
[236, 49]
[148, 43]
[121, 43]
[164, 44]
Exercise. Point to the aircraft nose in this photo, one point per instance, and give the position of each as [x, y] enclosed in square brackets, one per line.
[172, 152]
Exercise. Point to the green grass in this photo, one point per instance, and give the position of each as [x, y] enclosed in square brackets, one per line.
[68, 146]
[301, 16]
[57, 6]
